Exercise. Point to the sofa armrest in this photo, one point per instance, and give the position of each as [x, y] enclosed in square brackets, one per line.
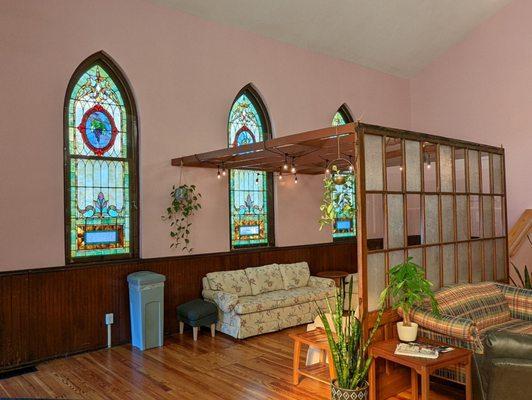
[454, 327]
[519, 300]
[225, 301]
[316, 281]
[208, 294]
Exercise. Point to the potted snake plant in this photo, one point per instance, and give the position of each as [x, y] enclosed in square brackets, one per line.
[409, 288]
[349, 346]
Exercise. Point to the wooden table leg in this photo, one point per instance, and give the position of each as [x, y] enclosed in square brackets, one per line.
[468, 388]
[414, 384]
[373, 380]
[297, 354]
[425, 384]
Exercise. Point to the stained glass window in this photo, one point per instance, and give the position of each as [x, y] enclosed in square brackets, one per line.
[101, 164]
[344, 227]
[250, 192]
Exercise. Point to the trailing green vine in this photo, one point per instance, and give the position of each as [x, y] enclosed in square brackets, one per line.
[185, 203]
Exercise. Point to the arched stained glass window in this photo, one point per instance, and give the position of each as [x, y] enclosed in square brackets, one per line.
[344, 227]
[250, 192]
[100, 164]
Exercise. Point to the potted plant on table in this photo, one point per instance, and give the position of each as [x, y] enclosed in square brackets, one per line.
[349, 346]
[409, 288]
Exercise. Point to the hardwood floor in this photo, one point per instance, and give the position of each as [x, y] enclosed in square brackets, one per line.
[219, 368]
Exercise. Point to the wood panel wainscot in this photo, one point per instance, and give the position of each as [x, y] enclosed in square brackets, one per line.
[58, 311]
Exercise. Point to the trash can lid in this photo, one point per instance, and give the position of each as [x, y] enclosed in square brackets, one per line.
[145, 278]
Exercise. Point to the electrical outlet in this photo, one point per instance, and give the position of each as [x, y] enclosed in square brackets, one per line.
[109, 319]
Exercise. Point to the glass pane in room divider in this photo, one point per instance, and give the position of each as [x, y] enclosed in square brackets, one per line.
[499, 216]
[476, 261]
[417, 256]
[461, 217]
[474, 215]
[497, 173]
[459, 169]
[429, 167]
[463, 262]
[413, 166]
[373, 160]
[486, 174]
[396, 257]
[395, 221]
[394, 164]
[447, 215]
[376, 279]
[375, 221]
[487, 216]
[414, 220]
[432, 266]
[500, 246]
[448, 265]
[446, 169]
[432, 233]
[473, 171]
[488, 260]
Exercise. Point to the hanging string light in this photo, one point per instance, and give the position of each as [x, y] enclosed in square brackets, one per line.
[280, 177]
[218, 175]
[295, 178]
[223, 170]
[293, 168]
[285, 165]
[327, 169]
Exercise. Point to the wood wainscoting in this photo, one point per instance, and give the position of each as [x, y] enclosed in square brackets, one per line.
[53, 312]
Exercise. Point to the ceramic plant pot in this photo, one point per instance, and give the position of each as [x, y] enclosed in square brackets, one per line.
[360, 393]
[407, 333]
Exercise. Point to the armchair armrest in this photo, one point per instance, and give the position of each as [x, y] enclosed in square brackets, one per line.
[225, 301]
[454, 327]
[519, 300]
[316, 281]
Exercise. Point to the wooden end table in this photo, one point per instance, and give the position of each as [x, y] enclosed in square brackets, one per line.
[422, 366]
[320, 371]
[337, 276]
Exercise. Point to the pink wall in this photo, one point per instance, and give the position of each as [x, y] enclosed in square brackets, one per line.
[184, 73]
[481, 90]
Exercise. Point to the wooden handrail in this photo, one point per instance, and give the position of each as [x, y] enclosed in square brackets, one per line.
[519, 231]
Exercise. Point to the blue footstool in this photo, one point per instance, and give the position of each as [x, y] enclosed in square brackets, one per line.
[197, 313]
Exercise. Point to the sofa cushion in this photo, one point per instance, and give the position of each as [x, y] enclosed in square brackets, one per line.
[281, 298]
[235, 282]
[294, 275]
[264, 279]
[513, 326]
[483, 303]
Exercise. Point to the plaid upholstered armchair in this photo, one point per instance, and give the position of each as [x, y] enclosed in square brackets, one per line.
[470, 312]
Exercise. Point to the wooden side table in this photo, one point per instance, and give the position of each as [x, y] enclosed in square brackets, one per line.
[418, 366]
[337, 276]
[320, 371]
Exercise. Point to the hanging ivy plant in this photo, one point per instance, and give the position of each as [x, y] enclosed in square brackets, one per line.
[185, 203]
[336, 203]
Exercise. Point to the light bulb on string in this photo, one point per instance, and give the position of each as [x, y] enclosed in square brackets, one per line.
[224, 172]
[293, 168]
[280, 177]
[400, 168]
[218, 175]
[295, 178]
[285, 165]
[327, 170]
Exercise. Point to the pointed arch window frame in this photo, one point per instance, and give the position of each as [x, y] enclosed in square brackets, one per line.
[346, 115]
[255, 98]
[119, 79]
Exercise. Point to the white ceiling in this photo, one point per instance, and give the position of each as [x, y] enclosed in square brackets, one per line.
[399, 37]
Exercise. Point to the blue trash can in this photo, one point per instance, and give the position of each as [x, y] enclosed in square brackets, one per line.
[146, 306]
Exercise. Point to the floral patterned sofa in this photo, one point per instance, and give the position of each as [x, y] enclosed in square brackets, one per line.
[265, 299]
